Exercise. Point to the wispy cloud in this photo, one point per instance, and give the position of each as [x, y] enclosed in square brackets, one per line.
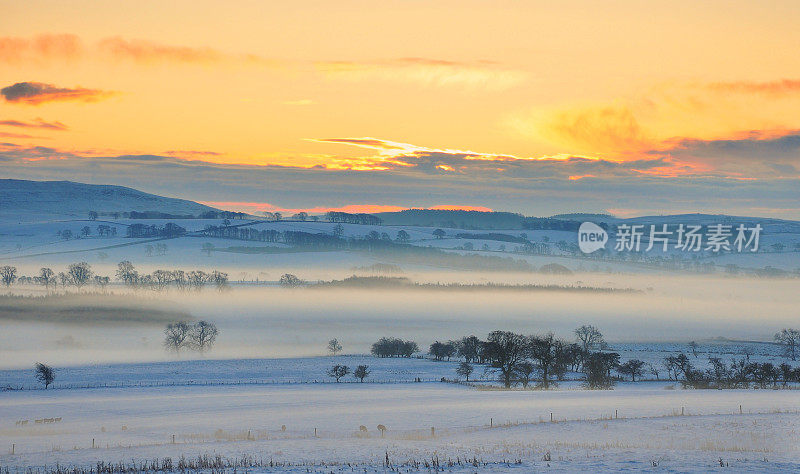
[147, 51]
[603, 129]
[35, 93]
[298, 102]
[150, 52]
[59, 47]
[192, 153]
[69, 47]
[426, 72]
[776, 88]
[37, 123]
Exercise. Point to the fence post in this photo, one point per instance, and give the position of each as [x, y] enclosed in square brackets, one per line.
[491, 423]
[92, 443]
[681, 411]
[740, 409]
[13, 448]
[173, 439]
[616, 413]
[551, 417]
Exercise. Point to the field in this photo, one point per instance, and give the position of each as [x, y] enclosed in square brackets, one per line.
[261, 400]
[643, 426]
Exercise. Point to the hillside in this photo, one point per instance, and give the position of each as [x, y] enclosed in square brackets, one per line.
[29, 201]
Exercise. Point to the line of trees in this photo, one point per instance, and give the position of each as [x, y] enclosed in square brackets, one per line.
[78, 274]
[162, 279]
[519, 359]
[346, 217]
[169, 229]
[394, 347]
[739, 373]
[103, 230]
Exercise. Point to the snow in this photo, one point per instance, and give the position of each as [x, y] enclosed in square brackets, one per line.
[138, 423]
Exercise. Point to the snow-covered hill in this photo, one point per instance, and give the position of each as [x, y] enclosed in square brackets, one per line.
[31, 201]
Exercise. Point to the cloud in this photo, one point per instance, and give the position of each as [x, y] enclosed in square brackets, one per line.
[533, 187]
[597, 129]
[149, 52]
[16, 135]
[192, 153]
[61, 47]
[405, 156]
[38, 123]
[775, 88]
[299, 102]
[35, 93]
[750, 154]
[69, 47]
[426, 72]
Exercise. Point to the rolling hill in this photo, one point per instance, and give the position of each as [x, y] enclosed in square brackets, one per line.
[30, 201]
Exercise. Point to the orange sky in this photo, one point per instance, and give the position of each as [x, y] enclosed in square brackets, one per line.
[297, 83]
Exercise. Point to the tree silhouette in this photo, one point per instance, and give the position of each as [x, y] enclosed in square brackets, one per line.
[338, 371]
[45, 374]
[361, 372]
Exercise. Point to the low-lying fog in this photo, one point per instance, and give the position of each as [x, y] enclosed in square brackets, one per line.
[278, 322]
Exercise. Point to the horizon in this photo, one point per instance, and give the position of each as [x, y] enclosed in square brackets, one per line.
[248, 208]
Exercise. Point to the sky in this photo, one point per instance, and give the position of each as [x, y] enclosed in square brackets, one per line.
[535, 107]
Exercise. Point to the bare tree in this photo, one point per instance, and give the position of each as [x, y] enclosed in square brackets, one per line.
[505, 350]
[590, 338]
[465, 369]
[46, 277]
[176, 335]
[469, 348]
[789, 339]
[126, 273]
[334, 347]
[290, 281]
[361, 372]
[546, 351]
[338, 371]
[203, 335]
[8, 274]
[45, 374]
[80, 273]
[633, 368]
[220, 280]
[102, 281]
[524, 373]
[196, 279]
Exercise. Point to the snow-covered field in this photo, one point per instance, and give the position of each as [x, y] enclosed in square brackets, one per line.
[635, 426]
[119, 397]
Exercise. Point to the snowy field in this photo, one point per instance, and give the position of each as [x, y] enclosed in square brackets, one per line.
[120, 397]
[635, 426]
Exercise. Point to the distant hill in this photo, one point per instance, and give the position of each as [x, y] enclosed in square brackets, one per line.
[453, 219]
[27, 201]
